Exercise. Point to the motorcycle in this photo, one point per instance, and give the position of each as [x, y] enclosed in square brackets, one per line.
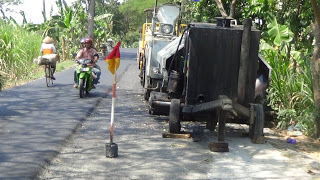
[85, 76]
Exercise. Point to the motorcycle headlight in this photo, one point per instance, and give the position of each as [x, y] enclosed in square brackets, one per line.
[167, 28]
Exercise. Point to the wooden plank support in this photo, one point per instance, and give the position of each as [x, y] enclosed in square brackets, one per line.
[173, 135]
[241, 109]
[221, 115]
[223, 103]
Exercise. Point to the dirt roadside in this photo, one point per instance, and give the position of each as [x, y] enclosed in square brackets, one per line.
[306, 151]
[304, 144]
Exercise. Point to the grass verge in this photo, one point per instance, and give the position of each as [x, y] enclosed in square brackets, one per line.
[37, 72]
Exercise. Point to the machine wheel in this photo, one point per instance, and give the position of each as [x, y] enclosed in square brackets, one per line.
[256, 129]
[146, 94]
[81, 88]
[150, 109]
[174, 116]
[142, 75]
[139, 62]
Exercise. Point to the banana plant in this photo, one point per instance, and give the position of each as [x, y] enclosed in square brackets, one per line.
[279, 33]
[279, 38]
[103, 28]
[65, 12]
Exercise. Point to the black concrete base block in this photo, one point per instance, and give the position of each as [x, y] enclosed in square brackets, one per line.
[218, 146]
[111, 150]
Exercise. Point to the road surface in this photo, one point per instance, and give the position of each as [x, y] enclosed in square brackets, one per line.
[36, 120]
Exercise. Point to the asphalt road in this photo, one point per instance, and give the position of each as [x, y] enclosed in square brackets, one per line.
[36, 121]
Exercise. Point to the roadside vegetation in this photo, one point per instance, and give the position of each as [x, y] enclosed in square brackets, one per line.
[287, 44]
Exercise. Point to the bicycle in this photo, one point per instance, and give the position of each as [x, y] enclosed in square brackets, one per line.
[48, 69]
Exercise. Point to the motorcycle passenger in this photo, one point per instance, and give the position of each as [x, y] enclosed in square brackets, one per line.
[88, 53]
[82, 43]
[47, 47]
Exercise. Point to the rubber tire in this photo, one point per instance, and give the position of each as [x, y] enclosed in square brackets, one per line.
[87, 87]
[143, 78]
[48, 74]
[150, 109]
[81, 88]
[146, 94]
[175, 116]
[256, 129]
[46, 70]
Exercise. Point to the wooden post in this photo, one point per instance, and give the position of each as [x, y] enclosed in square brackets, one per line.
[244, 59]
[222, 125]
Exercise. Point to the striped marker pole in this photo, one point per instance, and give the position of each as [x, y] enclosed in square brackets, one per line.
[112, 107]
[113, 59]
[112, 148]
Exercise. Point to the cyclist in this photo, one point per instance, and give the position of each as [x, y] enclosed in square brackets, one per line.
[47, 47]
[88, 52]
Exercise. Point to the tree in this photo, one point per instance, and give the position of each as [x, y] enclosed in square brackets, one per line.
[44, 10]
[134, 17]
[315, 64]
[91, 13]
[222, 10]
[4, 3]
[112, 25]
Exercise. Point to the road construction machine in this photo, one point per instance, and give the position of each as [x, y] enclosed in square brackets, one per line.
[211, 73]
[155, 35]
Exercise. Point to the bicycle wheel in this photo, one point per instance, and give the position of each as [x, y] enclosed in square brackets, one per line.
[51, 74]
[47, 74]
[48, 71]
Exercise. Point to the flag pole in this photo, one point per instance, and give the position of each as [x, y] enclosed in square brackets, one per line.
[113, 105]
[111, 147]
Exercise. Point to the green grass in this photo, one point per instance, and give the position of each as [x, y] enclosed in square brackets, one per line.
[38, 72]
[18, 49]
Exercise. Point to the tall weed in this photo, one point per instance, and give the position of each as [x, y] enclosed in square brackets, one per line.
[18, 48]
[290, 92]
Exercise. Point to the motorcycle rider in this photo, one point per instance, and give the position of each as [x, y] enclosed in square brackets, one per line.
[88, 53]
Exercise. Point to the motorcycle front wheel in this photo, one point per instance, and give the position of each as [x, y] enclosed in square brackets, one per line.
[88, 86]
[82, 88]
